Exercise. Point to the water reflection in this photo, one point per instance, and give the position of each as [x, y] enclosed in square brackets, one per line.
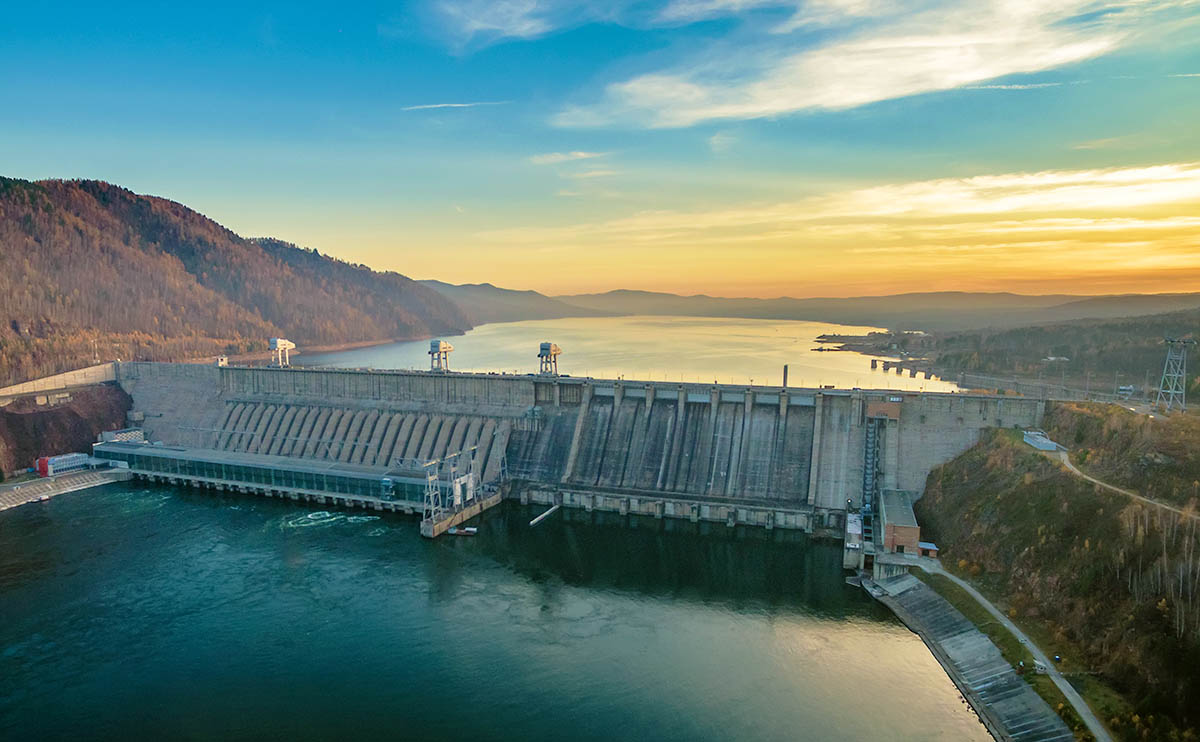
[225, 617]
[691, 349]
[671, 557]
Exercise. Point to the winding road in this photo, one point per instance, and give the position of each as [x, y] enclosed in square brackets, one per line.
[1064, 458]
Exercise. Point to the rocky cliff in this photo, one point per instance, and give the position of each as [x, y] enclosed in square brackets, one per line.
[29, 430]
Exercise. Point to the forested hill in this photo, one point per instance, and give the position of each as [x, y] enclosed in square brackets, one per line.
[1128, 350]
[88, 268]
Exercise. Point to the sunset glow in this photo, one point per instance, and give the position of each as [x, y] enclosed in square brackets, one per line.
[762, 148]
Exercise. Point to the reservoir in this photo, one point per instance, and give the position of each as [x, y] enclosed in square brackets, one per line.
[687, 349]
[143, 612]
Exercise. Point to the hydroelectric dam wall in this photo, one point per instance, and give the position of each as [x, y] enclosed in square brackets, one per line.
[771, 456]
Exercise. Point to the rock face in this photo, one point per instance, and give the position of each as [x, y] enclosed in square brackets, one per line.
[29, 430]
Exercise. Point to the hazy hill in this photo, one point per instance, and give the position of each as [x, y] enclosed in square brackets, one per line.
[1126, 305]
[932, 311]
[88, 267]
[485, 303]
[947, 310]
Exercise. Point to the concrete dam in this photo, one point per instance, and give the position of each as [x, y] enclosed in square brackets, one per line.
[776, 457]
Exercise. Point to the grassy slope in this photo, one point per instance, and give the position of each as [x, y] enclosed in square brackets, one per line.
[1108, 583]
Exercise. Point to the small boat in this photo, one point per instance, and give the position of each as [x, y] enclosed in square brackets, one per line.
[465, 531]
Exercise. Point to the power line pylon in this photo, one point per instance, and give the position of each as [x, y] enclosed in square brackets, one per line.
[1172, 390]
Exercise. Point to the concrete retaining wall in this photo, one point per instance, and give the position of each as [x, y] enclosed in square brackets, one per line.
[177, 399]
[103, 373]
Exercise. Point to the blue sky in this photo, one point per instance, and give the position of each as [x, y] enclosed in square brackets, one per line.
[735, 147]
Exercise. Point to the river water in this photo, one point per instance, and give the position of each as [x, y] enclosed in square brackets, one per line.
[693, 349]
[130, 612]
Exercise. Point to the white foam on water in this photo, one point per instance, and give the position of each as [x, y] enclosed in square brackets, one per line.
[310, 520]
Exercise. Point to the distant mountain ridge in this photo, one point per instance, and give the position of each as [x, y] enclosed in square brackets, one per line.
[934, 311]
[485, 303]
[947, 310]
[89, 269]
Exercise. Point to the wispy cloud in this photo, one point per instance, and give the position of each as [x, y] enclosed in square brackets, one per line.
[1025, 86]
[690, 11]
[554, 158]
[1186, 74]
[429, 106]
[721, 142]
[879, 51]
[1126, 141]
[475, 23]
[949, 208]
[521, 19]
[597, 173]
[1048, 191]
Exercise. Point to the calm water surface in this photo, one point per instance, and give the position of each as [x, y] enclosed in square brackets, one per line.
[134, 613]
[694, 349]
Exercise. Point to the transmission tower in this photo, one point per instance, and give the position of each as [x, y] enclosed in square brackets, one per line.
[1173, 387]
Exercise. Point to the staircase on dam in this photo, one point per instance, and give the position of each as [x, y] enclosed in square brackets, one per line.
[784, 457]
[871, 461]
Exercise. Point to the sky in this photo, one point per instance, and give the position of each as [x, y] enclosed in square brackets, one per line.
[728, 147]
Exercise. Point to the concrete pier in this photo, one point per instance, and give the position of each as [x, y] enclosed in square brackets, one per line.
[1010, 709]
[433, 529]
[37, 490]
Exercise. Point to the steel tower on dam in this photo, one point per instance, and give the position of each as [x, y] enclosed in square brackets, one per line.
[770, 456]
